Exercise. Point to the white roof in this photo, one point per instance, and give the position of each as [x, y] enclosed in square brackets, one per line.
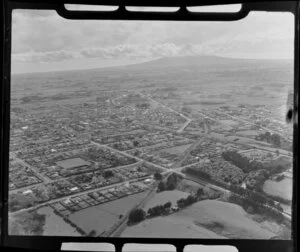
[27, 191]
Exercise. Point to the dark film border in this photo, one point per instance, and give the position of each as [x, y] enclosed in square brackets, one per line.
[54, 243]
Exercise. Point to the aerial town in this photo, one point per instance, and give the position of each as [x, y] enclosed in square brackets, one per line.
[94, 157]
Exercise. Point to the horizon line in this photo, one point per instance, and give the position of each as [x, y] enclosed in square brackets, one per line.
[116, 66]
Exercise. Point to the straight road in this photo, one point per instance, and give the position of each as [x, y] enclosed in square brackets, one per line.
[77, 194]
[176, 112]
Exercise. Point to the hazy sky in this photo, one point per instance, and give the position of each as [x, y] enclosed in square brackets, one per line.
[44, 41]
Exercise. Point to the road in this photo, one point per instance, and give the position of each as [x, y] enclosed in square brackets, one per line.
[187, 153]
[40, 176]
[252, 123]
[184, 125]
[128, 155]
[176, 112]
[77, 194]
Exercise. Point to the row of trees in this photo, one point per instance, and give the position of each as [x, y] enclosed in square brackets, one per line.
[252, 207]
[159, 209]
[198, 173]
[78, 229]
[184, 202]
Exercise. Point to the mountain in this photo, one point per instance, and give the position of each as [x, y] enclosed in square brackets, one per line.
[200, 62]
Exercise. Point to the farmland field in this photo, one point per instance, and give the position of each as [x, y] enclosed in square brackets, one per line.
[206, 219]
[177, 149]
[55, 225]
[101, 217]
[163, 197]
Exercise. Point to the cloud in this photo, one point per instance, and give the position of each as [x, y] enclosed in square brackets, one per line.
[43, 36]
[114, 52]
[44, 56]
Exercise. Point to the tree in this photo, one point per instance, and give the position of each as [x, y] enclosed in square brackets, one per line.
[181, 202]
[168, 205]
[135, 143]
[172, 181]
[157, 176]
[108, 174]
[161, 186]
[136, 215]
[190, 200]
[200, 192]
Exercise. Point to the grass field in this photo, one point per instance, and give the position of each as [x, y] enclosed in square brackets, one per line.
[100, 218]
[281, 160]
[163, 197]
[169, 227]
[282, 188]
[205, 219]
[27, 223]
[55, 225]
[177, 149]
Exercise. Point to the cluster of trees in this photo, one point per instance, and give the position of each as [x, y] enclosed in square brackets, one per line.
[142, 105]
[136, 215]
[198, 173]
[280, 177]
[242, 162]
[252, 207]
[158, 176]
[159, 209]
[273, 139]
[108, 174]
[19, 201]
[170, 184]
[256, 197]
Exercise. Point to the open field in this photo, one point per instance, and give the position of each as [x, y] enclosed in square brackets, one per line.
[101, 217]
[27, 223]
[177, 149]
[205, 219]
[169, 227]
[281, 188]
[163, 197]
[55, 225]
[281, 160]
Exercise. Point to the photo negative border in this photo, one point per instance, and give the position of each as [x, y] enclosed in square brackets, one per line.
[54, 243]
